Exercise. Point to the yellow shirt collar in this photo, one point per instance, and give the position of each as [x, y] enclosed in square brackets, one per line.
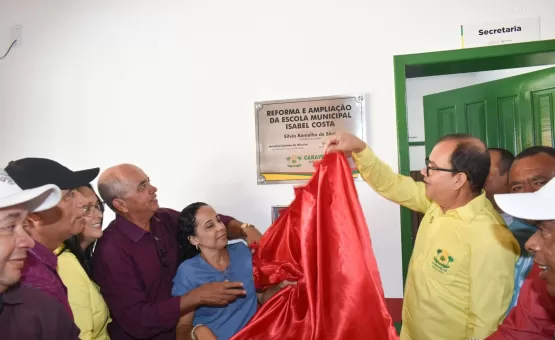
[468, 211]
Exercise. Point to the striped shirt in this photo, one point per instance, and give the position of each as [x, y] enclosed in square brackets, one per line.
[40, 272]
[522, 231]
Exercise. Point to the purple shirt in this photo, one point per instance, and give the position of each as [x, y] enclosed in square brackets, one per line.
[136, 285]
[29, 314]
[40, 272]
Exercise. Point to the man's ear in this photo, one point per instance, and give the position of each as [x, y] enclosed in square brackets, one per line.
[460, 179]
[120, 205]
[33, 220]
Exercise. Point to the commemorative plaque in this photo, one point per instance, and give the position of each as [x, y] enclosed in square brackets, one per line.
[291, 134]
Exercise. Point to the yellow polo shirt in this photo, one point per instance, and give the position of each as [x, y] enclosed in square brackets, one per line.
[461, 273]
[90, 312]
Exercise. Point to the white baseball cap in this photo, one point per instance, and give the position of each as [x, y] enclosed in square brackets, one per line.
[537, 206]
[35, 200]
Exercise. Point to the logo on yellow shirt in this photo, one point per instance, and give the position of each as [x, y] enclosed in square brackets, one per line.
[442, 261]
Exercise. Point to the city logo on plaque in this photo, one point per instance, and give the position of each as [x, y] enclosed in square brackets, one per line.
[294, 161]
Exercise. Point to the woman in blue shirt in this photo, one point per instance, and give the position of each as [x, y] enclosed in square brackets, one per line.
[209, 258]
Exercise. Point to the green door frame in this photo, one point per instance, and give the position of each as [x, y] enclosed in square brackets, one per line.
[453, 62]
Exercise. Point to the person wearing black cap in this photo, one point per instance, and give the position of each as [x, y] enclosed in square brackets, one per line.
[25, 312]
[51, 227]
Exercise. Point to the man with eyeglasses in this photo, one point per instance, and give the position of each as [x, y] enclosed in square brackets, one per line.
[460, 277]
[136, 260]
[51, 227]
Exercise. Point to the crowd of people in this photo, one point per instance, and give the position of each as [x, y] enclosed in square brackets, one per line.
[482, 265]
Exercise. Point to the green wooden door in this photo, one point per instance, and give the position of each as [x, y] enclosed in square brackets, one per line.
[512, 113]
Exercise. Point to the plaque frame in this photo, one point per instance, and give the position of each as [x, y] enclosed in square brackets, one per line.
[361, 100]
[275, 211]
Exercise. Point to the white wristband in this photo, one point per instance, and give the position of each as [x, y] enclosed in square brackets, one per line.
[193, 331]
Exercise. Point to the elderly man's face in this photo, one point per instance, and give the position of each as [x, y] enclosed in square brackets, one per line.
[542, 245]
[14, 243]
[531, 173]
[440, 184]
[141, 196]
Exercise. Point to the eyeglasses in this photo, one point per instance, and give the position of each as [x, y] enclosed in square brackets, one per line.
[428, 168]
[161, 253]
[89, 208]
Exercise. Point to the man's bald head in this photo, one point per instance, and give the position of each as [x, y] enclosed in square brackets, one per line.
[126, 189]
[113, 183]
[471, 157]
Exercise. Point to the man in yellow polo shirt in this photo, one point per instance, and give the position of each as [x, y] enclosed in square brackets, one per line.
[460, 278]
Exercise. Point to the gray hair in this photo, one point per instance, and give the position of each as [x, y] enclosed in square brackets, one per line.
[111, 189]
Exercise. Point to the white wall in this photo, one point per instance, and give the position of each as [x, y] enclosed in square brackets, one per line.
[170, 86]
[484, 77]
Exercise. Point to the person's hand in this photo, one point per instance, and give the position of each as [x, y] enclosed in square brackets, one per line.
[273, 290]
[218, 293]
[286, 283]
[344, 142]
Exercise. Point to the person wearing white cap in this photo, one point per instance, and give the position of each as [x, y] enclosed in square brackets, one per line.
[26, 313]
[50, 228]
[533, 318]
[538, 206]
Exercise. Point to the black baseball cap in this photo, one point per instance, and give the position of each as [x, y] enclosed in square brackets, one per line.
[29, 173]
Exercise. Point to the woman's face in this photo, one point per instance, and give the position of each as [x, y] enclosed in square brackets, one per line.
[211, 233]
[93, 224]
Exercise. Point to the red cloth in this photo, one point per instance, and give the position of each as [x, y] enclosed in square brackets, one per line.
[533, 318]
[322, 242]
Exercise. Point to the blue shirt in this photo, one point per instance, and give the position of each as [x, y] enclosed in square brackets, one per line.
[508, 218]
[522, 231]
[225, 321]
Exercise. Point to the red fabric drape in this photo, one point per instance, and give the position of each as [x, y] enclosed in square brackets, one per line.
[322, 242]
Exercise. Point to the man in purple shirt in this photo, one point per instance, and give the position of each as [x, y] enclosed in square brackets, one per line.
[25, 312]
[51, 227]
[136, 260]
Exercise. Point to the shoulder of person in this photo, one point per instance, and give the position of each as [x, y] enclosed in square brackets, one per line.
[110, 235]
[189, 266]
[110, 246]
[36, 272]
[55, 322]
[70, 266]
[67, 258]
[168, 213]
[497, 237]
[239, 247]
[187, 272]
